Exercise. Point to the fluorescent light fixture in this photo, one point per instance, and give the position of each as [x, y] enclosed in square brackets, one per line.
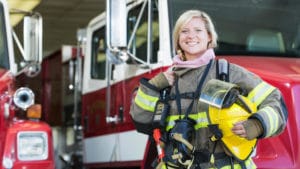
[22, 5]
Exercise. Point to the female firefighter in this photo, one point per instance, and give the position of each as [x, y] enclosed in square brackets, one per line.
[192, 135]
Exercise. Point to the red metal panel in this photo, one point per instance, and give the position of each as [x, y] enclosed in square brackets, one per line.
[282, 151]
[23, 125]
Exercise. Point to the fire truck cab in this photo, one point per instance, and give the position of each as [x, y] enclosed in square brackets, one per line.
[133, 39]
[25, 141]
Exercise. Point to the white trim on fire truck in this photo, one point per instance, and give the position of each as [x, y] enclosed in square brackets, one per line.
[115, 147]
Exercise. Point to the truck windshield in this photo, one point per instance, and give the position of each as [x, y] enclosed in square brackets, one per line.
[4, 62]
[249, 27]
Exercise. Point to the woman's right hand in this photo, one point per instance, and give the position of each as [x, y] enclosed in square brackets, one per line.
[170, 76]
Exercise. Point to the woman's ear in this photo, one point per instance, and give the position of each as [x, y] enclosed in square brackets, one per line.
[209, 41]
[209, 44]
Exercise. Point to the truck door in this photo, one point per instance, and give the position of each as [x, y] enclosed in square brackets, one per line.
[108, 87]
[98, 98]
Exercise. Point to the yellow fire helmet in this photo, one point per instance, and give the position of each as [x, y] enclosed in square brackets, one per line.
[226, 107]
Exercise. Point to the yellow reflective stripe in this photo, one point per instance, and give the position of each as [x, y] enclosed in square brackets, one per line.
[200, 118]
[272, 120]
[171, 121]
[164, 166]
[249, 165]
[145, 101]
[260, 92]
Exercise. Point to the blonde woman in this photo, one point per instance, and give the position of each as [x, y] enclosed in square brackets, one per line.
[193, 67]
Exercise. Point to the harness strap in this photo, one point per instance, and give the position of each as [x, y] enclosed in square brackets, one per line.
[222, 70]
[197, 92]
[187, 95]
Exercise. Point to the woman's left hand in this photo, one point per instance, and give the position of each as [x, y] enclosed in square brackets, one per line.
[238, 129]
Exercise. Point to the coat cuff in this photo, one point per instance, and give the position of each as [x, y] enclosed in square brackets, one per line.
[253, 128]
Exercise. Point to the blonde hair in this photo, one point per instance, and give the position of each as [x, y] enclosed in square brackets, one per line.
[186, 17]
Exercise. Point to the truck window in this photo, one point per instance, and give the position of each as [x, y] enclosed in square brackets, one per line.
[139, 44]
[4, 61]
[98, 59]
[266, 28]
[138, 47]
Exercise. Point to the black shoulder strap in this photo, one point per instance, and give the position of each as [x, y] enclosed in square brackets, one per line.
[197, 92]
[222, 70]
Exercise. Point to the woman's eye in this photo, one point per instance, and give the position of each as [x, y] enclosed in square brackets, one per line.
[184, 31]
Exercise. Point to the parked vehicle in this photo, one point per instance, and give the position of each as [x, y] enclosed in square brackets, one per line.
[25, 140]
[133, 39]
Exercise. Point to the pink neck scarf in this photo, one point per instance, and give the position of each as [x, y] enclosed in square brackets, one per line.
[198, 62]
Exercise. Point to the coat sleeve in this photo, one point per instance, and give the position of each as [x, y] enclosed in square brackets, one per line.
[271, 112]
[144, 104]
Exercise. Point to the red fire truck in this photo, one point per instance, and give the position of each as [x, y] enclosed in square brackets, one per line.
[134, 40]
[25, 141]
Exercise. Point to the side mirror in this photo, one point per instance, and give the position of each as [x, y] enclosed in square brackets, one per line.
[116, 13]
[33, 43]
[33, 31]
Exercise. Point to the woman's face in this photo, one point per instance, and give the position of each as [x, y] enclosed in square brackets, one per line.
[193, 38]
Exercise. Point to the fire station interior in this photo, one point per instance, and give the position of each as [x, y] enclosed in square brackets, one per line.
[61, 21]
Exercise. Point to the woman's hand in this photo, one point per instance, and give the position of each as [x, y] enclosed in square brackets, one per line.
[170, 76]
[249, 129]
[238, 129]
[163, 79]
